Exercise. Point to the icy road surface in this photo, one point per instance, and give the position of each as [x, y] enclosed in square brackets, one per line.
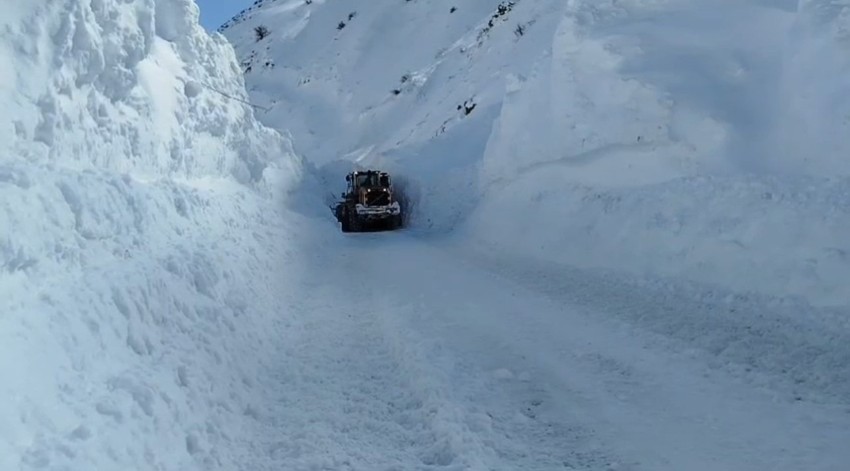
[412, 357]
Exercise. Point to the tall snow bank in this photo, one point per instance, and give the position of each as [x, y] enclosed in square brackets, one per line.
[813, 119]
[775, 236]
[129, 87]
[654, 140]
[140, 242]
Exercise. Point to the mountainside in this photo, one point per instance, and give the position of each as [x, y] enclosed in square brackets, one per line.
[140, 216]
[673, 138]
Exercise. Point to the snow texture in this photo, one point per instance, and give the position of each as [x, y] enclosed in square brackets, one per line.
[692, 139]
[628, 241]
[139, 244]
[627, 248]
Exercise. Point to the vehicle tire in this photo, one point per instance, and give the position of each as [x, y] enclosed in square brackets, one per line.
[345, 220]
[354, 224]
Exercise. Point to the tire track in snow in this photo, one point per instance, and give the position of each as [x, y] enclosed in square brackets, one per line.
[782, 344]
[353, 397]
[501, 419]
[343, 399]
[640, 404]
[362, 387]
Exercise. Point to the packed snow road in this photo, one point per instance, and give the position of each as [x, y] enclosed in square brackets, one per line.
[411, 356]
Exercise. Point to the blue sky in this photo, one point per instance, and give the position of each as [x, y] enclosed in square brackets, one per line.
[216, 12]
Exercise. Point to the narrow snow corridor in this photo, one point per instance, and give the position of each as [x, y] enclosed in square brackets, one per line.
[627, 242]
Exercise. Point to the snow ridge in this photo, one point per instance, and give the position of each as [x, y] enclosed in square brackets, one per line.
[142, 239]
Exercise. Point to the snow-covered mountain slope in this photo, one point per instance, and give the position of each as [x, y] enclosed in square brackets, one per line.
[682, 138]
[140, 240]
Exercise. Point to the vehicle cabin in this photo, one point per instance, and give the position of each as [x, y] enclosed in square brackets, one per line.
[368, 179]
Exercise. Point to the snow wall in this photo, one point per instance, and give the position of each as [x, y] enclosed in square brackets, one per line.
[663, 145]
[140, 243]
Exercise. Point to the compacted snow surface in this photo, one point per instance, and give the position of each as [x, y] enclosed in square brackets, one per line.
[627, 246]
[443, 359]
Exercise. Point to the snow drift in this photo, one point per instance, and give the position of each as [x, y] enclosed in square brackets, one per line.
[686, 138]
[679, 161]
[141, 239]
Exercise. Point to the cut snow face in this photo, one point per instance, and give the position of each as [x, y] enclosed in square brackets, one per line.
[112, 89]
[141, 241]
[502, 117]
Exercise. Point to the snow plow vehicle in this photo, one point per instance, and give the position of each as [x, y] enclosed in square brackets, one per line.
[368, 203]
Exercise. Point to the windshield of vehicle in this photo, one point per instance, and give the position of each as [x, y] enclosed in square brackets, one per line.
[369, 180]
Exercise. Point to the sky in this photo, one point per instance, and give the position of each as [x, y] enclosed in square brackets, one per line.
[215, 12]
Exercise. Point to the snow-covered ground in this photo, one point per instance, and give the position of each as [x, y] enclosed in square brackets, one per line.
[418, 357]
[627, 251]
[141, 240]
